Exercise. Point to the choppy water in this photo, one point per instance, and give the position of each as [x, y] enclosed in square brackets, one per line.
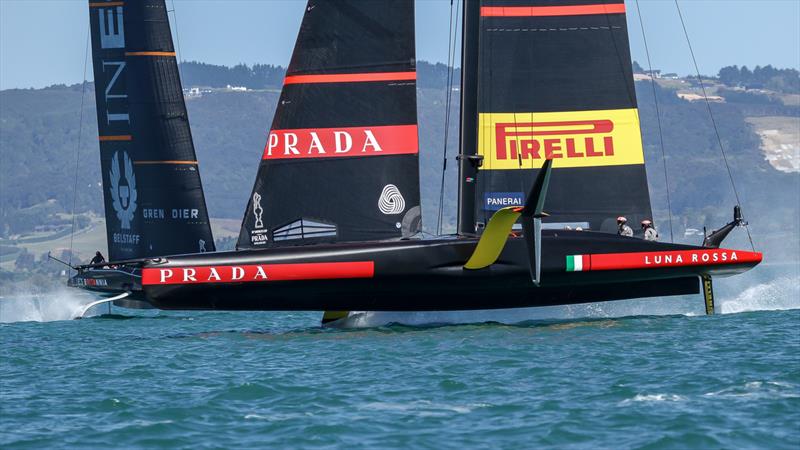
[623, 376]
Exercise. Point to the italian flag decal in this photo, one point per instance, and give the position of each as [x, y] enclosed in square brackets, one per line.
[578, 263]
[656, 260]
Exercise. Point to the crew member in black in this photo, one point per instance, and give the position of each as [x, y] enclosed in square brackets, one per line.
[98, 258]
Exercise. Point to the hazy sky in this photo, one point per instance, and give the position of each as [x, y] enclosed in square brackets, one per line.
[43, 42]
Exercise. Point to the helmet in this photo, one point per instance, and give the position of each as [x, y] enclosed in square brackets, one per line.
[621, 219]
[646, 223]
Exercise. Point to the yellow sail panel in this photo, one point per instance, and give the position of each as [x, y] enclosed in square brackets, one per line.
[573, 139]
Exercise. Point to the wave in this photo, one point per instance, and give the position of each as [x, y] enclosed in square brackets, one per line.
[653, 398]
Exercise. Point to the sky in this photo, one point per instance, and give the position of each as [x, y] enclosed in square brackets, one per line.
[43, 42]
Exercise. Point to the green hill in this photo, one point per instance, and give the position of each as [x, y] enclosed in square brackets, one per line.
[39, 135]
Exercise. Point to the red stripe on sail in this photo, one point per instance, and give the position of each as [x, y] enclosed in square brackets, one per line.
[302, 143]
[257, 273]
[550, 11]
[681, 258]
[350, 77]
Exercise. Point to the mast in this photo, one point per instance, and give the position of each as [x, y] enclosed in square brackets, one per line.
[468, 159]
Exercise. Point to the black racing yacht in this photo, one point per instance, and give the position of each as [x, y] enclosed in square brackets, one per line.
[549, 142]
[153, 197]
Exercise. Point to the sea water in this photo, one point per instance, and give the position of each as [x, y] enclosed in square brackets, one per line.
[647, 373]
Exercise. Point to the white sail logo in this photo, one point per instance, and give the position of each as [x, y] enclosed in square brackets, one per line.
[257, 210]
[112, 28]
[391, 200]
[123, 189]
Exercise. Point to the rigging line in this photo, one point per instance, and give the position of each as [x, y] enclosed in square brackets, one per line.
[452, 31]
[623, 62]
[446, 119]
[713, 121]
[658, 117]
[178, 42]
[78, 149]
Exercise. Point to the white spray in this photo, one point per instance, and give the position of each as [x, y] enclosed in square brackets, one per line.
[33, 306]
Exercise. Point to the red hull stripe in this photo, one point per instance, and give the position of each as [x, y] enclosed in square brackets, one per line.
[657, 260]
[350, 77]
[342, 142]
[257, 273]
[550, 11]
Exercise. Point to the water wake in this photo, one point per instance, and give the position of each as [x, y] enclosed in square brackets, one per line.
[62, 304]
[779, 294]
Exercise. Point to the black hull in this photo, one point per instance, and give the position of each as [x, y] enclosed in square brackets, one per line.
[108, 280]
[425, 295]
[427, 275]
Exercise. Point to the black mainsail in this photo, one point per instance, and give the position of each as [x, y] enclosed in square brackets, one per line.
[154, 201]
[341, 159]
[554, 81]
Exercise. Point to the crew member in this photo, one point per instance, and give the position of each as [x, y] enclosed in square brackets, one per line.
[650, 233]
[98, 258]
[622, 228]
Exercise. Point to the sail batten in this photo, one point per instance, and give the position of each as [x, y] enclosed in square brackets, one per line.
[550, 11]
[350, 77]
[341, 159]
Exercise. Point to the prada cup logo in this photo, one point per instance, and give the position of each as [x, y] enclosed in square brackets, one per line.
[391, 200]
[123, 189]
[257, 210]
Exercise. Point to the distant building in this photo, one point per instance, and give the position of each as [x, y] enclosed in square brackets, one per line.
[692, 232]
[192, 93]
[236, 88]
[690, 97]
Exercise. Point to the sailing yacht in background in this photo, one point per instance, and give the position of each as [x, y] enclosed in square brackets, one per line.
[153, 196]
[548, 119]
